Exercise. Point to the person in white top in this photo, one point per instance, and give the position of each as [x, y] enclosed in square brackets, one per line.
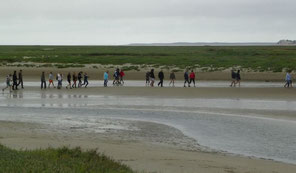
[60, 79]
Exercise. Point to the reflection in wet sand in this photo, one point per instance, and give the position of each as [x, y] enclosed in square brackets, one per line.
[205, 120]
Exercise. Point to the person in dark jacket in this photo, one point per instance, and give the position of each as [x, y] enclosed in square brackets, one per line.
[43, 81]
[85, 80]
[69, 81]
[14, 81]
[116, 77]
[186, 78]
[79, 79]
[233, 78]
[147, 78]
[74, 80]
[161, 77]
[152, 78]
[20, 78]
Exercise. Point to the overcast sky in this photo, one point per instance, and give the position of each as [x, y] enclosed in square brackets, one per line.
[97, 22]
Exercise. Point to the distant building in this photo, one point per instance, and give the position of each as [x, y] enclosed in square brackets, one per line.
[287, 42]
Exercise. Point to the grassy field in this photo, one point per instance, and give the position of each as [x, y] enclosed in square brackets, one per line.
[260, 58]
[57, 160]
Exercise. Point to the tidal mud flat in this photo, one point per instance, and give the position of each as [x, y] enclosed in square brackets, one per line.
[158, 130]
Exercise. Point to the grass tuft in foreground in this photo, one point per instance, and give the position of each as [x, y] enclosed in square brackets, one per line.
[58, 160]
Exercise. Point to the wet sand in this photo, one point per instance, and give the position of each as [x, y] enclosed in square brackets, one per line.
[143, 154]
[177, 92]
[147, 146]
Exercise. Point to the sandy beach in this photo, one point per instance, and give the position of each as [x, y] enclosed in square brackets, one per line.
[144, 145]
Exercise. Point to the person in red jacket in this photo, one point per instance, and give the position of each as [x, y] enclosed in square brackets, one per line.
[192, 78]
[121, 74]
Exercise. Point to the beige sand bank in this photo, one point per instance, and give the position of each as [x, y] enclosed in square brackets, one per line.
[140, 155]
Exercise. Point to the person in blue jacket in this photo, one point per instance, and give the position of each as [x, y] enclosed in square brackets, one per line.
[106, 76]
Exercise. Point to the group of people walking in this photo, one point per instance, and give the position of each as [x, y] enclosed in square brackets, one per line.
[236, 78]
[16, 79]
[73, 80]
[118, 77]
[188, 78]
[81, 79]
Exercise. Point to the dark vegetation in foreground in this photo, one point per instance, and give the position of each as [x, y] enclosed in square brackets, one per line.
[258, 58]
[57, 160]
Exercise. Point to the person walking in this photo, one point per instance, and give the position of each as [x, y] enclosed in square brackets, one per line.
[121, 75]
[69, 81]
[50, 80]
[14, 80]
[147, 78]
[238, 78]
[74, 80]
[288, 80]
[186, 78]
[192, 78]
[20, 78]
[43, 82]
[8, 83]
[233, 77]
[116, 77]
[79, 79]
[172, 78]
[152, 78]
[60, 80]
[161, 77]
[106, 76]
[85, 78]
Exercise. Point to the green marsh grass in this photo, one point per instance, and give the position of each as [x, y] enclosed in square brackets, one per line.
[258, 58]
[57, 160]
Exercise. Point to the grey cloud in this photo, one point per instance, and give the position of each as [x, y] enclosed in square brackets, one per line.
[121, 22]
